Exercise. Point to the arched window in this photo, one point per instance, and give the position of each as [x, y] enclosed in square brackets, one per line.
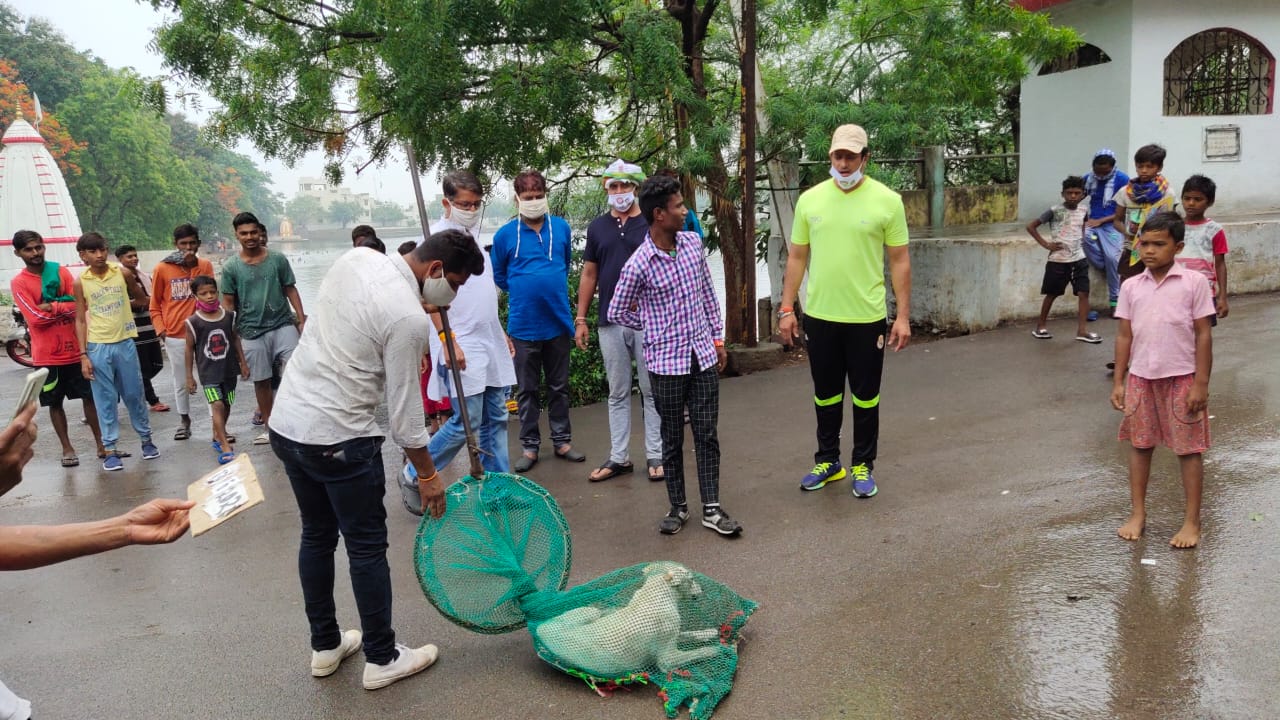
[1219, 72]
[1082, 57]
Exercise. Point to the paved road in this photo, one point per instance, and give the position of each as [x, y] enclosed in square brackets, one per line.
[946, 596]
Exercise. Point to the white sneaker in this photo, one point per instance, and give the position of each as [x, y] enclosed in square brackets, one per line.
[409, 662]
[263, 439]
[325, 662]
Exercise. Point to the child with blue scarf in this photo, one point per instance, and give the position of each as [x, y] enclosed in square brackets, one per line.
[1103, 243]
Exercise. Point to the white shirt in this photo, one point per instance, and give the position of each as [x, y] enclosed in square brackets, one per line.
[366, 332]
[473, 317]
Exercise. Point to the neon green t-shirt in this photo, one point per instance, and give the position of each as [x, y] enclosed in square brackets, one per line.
[847, 234]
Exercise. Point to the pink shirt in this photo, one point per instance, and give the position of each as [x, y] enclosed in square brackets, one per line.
[1163, 317]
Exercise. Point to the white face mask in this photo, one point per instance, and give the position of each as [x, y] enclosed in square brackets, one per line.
[847, 181]
[533, 209]
[622, 202]
[437, 290]
[465, 218]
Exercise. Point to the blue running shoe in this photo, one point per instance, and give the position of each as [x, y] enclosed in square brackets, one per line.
[1092, 316]
[112, 462]
[821, 474]
[150, 451]
[864, 486]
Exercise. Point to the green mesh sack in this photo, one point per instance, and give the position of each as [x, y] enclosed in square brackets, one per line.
[499, 559]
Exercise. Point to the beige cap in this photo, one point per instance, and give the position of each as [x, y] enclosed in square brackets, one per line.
[848, 137]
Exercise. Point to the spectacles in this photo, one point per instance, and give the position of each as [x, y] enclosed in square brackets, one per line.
[465, 205]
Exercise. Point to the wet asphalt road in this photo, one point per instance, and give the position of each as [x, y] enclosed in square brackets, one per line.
[946, 596]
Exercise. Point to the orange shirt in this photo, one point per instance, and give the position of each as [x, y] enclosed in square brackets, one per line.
[172, 301]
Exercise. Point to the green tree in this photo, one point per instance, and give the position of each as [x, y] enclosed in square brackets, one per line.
[495, 85]
[344, 212]
[305, 211]
[131, 187]
[388, 213]
[48, 65]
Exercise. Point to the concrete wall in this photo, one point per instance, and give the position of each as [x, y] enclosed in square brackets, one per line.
[1247, 185]
[968, 205]
[968, 284]
[1066, 117]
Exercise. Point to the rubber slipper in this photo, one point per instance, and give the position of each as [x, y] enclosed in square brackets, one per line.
[226, 457]
[1091, 338]
[1041, 334]
[183, 433]
[525, 463]
[118, 453]
[661, 473]
[257, 417]
[571, 455]
[70, 461]
[159, 407]
[614, 470]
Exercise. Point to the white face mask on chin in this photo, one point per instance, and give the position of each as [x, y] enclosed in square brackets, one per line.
[847, 181]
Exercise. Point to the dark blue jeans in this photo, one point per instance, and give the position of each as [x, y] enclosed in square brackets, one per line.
[339, 489]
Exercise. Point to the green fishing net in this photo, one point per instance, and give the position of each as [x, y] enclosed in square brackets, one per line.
[499, 560]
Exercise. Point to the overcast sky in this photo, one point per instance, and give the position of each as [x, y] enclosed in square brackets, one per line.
[120, 32]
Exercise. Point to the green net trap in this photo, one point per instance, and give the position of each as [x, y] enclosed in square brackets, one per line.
[499, 560]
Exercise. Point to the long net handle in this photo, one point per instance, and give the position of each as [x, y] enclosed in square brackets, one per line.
[473, 447]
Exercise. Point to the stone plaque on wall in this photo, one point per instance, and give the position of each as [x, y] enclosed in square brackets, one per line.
[1222, 143]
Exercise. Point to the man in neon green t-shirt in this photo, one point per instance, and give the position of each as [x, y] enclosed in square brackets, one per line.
[841, 232]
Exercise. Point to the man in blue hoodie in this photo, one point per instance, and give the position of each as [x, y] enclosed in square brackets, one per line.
[531, 257]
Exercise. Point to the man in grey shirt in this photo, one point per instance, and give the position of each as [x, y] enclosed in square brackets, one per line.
[367, 336]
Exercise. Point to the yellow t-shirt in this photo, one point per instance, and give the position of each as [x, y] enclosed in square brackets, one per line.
[110, 319]
[846, 234]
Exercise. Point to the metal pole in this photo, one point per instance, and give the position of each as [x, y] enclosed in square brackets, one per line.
[417, 190]
[473, 447]
[749, 165]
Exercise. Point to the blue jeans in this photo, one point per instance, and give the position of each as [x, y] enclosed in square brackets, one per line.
[116, 376]
[1102, 246]
[488, 413]
[339, 489]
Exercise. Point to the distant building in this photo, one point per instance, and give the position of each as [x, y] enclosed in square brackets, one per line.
[1197, 78]
[33, 196]
[328, 195]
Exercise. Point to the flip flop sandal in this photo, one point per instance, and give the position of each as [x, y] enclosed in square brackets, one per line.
[656, 465]
[1091, 338]
[223, 457]
[257, 417]
[70, 461]
[118, 453]
[614, 470]
[182, 434]
[1041, 334]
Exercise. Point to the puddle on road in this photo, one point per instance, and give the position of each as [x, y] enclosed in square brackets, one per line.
[1196, 634]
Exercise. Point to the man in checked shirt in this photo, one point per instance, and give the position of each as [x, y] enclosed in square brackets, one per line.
[665, 289]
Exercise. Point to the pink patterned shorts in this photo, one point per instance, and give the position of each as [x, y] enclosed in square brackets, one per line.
[1155, 413]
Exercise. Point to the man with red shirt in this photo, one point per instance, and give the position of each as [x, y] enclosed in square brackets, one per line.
[42, 292]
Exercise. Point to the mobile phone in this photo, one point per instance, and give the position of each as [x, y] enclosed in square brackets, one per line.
[31, 391]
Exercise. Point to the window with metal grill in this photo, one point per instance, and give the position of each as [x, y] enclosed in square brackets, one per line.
[1219, 72]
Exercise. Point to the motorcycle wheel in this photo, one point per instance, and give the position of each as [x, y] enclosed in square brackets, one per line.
[19, 351]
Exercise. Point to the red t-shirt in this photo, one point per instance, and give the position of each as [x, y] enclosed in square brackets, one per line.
[53, 332]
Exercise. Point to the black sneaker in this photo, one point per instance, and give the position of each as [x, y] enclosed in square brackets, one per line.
[717, 519]
[675, 519]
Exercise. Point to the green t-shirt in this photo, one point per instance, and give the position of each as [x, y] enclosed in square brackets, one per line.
[259, 291]
[846, 234]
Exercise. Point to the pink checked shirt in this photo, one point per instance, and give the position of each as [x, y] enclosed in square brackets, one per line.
[1163, 317]
[672, 300]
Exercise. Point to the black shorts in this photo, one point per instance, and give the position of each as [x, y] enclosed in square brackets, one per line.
[65, 382]
[1058, 274]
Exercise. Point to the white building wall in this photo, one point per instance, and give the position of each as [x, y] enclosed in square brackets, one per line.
[1249, 185]
[1066, 117]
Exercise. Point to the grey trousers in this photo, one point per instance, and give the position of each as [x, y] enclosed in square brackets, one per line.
[621, 346]
[534, 359]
